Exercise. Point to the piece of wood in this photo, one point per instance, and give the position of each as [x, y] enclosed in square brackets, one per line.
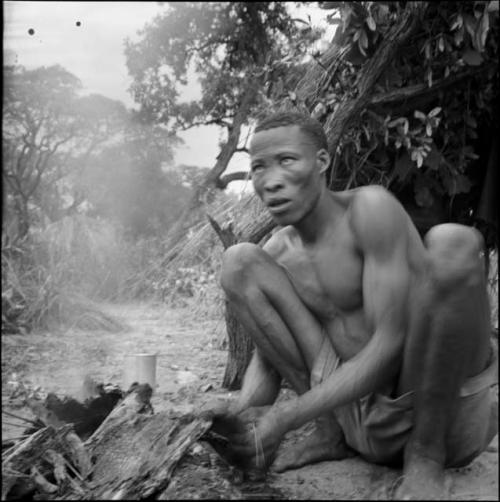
[137, 459]
[28, 459]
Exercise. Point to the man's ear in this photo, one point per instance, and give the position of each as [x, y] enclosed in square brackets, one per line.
[324, 159]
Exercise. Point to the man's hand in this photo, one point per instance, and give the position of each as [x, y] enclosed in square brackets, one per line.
[249, 440]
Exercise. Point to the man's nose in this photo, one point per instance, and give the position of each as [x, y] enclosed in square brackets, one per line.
[273, 184]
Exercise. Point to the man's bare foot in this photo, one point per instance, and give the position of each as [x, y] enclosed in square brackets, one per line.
[326, 442]
[423, 480]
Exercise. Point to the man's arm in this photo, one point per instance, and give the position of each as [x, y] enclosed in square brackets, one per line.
[380, 226]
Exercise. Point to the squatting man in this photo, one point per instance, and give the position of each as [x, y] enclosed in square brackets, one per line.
[385, 337]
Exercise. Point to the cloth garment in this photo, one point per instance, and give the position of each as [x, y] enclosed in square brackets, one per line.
[378, 426]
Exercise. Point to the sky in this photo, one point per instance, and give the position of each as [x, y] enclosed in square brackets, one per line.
[87, 38]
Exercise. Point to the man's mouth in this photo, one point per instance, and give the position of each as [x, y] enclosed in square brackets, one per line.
[278, 205]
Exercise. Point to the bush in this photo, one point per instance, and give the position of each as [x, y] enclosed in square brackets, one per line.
[51, 277]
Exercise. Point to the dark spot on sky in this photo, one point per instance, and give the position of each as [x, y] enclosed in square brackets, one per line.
[31, 31]
[78, 23]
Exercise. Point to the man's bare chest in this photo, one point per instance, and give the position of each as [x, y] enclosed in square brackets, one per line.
[327, 279]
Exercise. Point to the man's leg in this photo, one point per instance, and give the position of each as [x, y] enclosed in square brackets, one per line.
[448, 341]
[288, 339]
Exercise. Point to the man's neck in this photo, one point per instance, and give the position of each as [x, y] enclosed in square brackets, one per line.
[320, 220]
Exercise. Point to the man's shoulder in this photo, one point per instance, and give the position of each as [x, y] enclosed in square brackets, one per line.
[372, 196]
[280, 242]
[375, 214]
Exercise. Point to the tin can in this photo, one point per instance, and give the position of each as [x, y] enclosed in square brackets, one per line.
[140, 368]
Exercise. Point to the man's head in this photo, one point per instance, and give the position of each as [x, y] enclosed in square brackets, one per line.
[289, 157]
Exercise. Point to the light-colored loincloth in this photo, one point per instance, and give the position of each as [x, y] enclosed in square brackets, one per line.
[378, 426]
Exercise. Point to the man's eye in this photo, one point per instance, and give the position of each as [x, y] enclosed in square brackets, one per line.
[256, 167]
[287, 160]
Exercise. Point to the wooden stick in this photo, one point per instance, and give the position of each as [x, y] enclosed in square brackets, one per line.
[20, 417]
[12, 424]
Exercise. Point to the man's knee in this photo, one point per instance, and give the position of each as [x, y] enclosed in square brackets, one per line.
[455, 254]
[238, 264]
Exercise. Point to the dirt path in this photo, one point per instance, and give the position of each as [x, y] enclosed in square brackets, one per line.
[190, 369]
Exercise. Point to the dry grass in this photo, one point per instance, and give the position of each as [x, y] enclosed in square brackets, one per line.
[193, 272]
[52, 277]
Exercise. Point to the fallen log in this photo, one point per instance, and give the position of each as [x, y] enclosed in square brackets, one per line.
[134, 454]
[29, 466]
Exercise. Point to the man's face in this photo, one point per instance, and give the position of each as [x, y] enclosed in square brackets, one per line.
[286, 172]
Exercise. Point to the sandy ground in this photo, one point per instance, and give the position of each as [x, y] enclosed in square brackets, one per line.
[190, 369]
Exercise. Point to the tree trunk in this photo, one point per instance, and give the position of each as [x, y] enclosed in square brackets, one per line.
[338, 122]
[190, 213]
[240, 345]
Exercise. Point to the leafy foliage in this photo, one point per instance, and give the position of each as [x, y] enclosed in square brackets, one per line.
[428, 126]
[131, 182]
[227, 44]
[48, 131]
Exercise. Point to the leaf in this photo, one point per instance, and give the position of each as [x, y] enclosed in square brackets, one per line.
[493, 6]
[472, 57]
[363, 39]
[403, 166]
[427, 50]
[462, 184]
[423, 196]
[371, 23]
[429, 77]
[428, 130]
[459, 36]
[420, 159]
[434, 158]
[484, 26]
[406, 126]
[441, 44]
[457, 23]
[419, 115]
[434, 111]
[470, 25]
[396, 122]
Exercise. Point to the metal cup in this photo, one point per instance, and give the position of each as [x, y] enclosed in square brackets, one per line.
[140, 368]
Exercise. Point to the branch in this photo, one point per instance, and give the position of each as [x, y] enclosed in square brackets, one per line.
[338, 121]
[226, 234]
[422, 89]
[220, 122]
[223, 181]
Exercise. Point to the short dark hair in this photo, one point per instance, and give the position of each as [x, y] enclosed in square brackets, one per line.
[309, 126]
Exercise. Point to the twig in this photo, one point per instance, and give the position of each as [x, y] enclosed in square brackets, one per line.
[17, 438]
[12, 424]
[19, 417]
[12, 472]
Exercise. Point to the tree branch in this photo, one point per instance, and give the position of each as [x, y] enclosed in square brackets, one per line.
[223, 181]
[338, 121]
[226, 234]
[414, 91]
[220, 122]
